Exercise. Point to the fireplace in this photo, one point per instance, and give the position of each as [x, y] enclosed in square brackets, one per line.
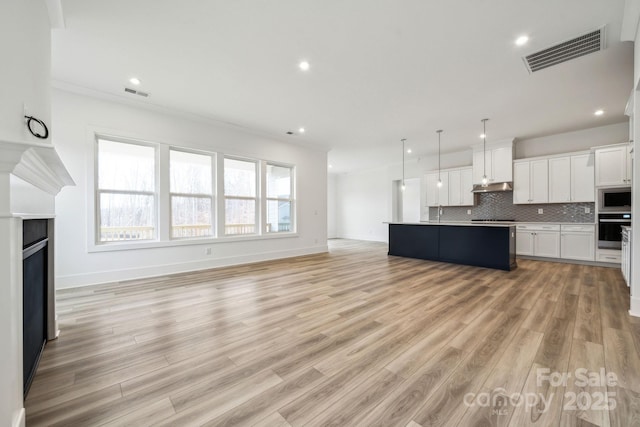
[35, 278]
[31, 175]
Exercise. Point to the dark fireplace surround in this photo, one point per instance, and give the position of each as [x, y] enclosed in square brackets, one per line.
[38, 310]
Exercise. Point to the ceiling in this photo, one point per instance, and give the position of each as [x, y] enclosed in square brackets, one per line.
[381, 70]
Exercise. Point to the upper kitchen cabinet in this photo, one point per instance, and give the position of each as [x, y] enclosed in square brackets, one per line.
[455, 190]
[437, 195]
[498, 162]
[531, 181]
[582, 178]
[613, 166]
[571, 178]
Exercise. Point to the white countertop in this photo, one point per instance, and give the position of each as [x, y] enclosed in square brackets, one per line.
[488, 223]
[459, 223]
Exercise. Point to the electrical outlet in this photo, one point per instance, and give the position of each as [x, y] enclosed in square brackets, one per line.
[207, 251]
[468, 211]
[540, 211]
[587, 210]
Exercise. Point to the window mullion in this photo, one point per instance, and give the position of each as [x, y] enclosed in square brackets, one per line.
[263, 197]
[221, 200]
[164, 197]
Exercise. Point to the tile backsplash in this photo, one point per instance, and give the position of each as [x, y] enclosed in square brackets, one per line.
[500, 206]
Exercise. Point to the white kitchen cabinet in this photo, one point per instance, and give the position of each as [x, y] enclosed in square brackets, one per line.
[455, 195]
[531, 182]
[541, 240]
[502, 164]
[560, 180]
[546, 244]
[466, 187]
[479, 166]
[524, 243]
[625, 256]
[582, 178]
[455, 190]
[443, 190]
[613, 166]
[499, 164]
[571, 179]
[432, 189]
[577, 242]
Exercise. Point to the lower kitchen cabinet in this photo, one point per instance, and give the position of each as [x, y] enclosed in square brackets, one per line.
[542, 240]
[566, 241]
[578, 242]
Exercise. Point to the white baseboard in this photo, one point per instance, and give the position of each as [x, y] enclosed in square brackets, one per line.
[95, 278]
[20, 420]
[635, 307]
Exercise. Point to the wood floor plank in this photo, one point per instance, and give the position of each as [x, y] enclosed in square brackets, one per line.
[622, 358]
[589, 357]
[350, 337]
[588, 320]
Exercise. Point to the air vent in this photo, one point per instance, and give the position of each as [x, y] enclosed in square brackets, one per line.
[136, 92]
[585, 44]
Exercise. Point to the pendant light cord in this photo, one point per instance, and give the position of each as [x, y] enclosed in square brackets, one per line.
[439, 132]
[484, 149]
[403, 141]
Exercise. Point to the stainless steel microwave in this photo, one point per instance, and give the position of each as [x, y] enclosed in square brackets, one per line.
[614, 199]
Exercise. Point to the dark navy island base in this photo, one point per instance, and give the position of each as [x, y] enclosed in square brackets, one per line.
[490, 246]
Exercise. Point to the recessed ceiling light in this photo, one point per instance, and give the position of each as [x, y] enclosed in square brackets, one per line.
[409, 150]
[301, 130]
[599, 112]
[304, 65]
[482, 135]
[522, 40]
[134, 81]
[330, 166]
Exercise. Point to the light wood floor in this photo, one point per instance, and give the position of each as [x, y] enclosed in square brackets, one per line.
[353, 337]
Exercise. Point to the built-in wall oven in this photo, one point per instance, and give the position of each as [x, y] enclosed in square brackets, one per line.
[610, 229]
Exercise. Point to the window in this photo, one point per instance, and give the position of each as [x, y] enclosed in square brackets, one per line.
[153, 195]
[126, 191]
[191, 194]
[240, 201]
[279, 198]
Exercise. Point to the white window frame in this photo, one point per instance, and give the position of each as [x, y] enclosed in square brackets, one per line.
[162, 195]
[97, 191]
[257, 198]
[212, 196]
[291, 199]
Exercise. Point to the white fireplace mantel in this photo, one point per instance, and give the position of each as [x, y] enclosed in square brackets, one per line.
[37, 163]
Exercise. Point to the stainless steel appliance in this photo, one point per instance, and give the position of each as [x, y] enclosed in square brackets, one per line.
[614, 199]
[610, 229]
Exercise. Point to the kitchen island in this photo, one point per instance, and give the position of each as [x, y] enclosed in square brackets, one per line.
[490, 245]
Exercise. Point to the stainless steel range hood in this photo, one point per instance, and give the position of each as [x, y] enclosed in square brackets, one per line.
[492, 188]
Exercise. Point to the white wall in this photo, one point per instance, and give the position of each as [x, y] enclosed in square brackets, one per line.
[332, 224]
[363, 203]
[572, 141]
[76, 117]
[26, 66]
[28, 199]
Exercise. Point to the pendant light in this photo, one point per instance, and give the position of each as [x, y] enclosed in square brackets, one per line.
[403, 141]
[439, 132]
[485, 181]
